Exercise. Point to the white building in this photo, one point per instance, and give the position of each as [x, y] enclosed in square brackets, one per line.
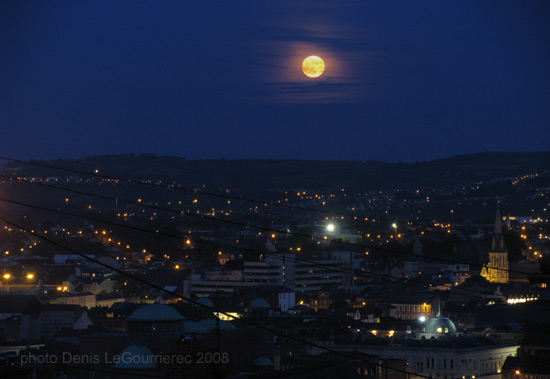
[203, 287]
[335, 270]
[439, 352]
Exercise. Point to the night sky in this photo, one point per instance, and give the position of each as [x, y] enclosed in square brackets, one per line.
[404, 81]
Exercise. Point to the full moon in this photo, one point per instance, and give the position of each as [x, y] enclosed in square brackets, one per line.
[313, 66]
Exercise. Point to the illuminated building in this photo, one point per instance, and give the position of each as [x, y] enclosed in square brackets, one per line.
[496, 271]
[334, 270]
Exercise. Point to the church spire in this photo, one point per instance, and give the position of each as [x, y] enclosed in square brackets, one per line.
[498, 240]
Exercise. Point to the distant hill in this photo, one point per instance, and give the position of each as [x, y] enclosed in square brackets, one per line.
[299, 174]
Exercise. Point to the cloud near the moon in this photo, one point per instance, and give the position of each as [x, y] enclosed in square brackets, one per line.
[344, 79]
[348, 68]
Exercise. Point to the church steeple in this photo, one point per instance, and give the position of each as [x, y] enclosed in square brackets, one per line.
[498, 240]
[496, 270]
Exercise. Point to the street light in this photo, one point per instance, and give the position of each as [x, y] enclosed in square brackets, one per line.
[30, 276]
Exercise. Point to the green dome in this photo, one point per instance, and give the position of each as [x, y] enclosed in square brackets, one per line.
[136, 356]
[190, 327]
[262, 362]
[211, 323]
[259, 303]
[155, 312]
[440, 325]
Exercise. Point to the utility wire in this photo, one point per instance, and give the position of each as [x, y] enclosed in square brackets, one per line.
[225, 196]
[257, 201]
[177, 295]
[246, 225]
[381, 277]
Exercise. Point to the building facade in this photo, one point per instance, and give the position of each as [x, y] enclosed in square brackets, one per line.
[333, 271]
[496, 270]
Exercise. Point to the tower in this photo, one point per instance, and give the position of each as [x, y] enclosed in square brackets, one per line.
[497, 268]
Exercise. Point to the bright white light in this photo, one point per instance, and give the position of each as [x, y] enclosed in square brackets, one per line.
[394, 225]
[422, 318]
[330, 227]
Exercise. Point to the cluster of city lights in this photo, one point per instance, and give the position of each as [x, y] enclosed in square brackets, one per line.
[521, 300]
[8, 276]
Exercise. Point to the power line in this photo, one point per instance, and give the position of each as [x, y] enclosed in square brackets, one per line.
[225, 196]
[246, 225]
[380, 277]
[275, 204]
[194, 302]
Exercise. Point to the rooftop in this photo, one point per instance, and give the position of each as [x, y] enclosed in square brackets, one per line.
[155, 312]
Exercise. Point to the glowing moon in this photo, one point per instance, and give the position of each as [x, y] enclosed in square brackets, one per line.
[313, 66]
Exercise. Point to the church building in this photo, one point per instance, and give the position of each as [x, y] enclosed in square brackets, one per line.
[496, 271]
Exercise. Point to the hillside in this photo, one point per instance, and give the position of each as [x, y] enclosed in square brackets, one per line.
[263, 174]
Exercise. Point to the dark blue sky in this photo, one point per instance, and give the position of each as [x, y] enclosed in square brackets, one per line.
[405, 80]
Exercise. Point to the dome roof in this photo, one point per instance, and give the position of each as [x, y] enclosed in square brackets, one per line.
[136, 356]
[190, 327]
[259, 303]
[440, 325]
[155, 312]
[211, 323]
[204, 301]
[262, 362]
